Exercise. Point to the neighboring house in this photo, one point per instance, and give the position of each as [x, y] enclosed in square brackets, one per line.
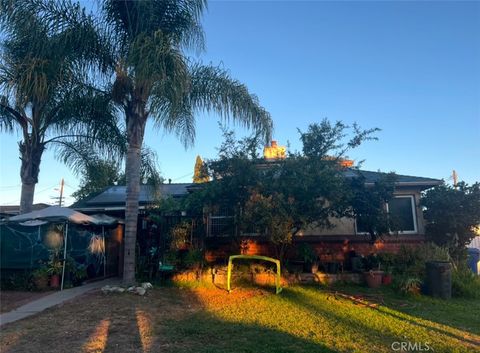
[475, 243]
[111, 200]
[150, 233]
[346, 236]
[9, 211]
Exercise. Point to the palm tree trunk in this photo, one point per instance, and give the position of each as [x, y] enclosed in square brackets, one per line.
[31, 156]
[26, 198]
[136, 120]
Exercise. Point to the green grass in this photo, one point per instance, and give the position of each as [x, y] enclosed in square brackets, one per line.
[307, 319]
[203, 318]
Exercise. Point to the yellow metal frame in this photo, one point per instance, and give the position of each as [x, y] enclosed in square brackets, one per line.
[254, 257]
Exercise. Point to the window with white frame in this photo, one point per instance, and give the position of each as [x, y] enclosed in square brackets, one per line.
[402, 211]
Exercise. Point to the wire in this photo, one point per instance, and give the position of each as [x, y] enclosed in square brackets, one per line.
[43, 190]
[183, 176]
[69, 186]
[36, 192]
[10, 186]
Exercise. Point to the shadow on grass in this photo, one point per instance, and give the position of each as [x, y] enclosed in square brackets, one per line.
[345, 327]
[456, 313]
[204, 332]
[387, 334]
[167, 320]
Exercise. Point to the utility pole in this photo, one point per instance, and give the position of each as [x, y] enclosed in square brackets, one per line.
[455, 178]
[61, 193]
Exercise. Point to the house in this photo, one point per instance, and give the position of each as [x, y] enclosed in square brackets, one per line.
[347, 235]
[330, 244]
[13, 210]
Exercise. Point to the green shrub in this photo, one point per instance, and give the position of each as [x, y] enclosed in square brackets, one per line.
[371, 262]
[411, 260]
[408, 285]
[180, 235]
[465, 283]
[194, 258]
[306, 253]
[17, 280]
[387, 261]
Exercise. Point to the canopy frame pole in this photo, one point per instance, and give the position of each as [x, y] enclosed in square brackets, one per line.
[64, 254]
[104, 253]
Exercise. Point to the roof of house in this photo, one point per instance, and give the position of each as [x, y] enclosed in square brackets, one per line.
[402, 180]
[116, 195]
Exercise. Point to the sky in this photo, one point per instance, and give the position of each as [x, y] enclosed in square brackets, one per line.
[411, 69]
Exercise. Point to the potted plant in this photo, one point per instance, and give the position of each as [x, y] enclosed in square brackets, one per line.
[387, 276]
[54, 269]
[310, 258]
[40, 278]
[78, 273]
[387, 262]
[373, 275]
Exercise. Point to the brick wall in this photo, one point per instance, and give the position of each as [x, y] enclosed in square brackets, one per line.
[327, 248]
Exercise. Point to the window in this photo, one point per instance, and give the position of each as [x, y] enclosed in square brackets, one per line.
[220, 224]
[360, 227]
[402, 212]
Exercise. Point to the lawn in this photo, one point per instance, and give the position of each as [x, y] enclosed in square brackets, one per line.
[10, 300]
[207, 319]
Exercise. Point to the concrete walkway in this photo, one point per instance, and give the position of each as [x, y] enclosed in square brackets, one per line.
[51, 300]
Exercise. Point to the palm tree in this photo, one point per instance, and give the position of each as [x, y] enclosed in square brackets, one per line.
[44, 92]
[155, 79]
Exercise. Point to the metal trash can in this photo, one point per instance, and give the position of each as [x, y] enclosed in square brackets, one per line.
[474, 260]
[439, 279]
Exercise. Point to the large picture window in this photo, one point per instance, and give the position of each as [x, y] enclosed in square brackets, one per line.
[402, 212]
[401, 209]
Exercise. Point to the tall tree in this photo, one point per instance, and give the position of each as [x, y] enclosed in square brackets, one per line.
[155, 79]
[452, 214]
[44, 90]
[279, 199]
[200, 173]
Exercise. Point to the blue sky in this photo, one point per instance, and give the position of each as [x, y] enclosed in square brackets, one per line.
[409, 68]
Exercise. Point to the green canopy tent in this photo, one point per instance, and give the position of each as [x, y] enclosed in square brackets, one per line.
[66, 216]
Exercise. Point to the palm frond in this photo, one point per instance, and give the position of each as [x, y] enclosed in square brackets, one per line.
[213, 90]
[177, 19]
[9, 117]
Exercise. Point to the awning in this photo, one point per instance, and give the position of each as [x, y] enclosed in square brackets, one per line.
[63, 214]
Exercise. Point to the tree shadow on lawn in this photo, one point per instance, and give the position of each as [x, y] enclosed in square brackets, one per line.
[85, 324]
[365, 322]
[356, 334]
[204, 333]
[167, 320]
[455, 313]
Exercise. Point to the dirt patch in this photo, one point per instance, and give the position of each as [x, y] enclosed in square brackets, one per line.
[10, 300]
[96, 322]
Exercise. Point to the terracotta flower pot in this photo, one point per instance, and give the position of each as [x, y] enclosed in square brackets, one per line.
[387, 279]
[55, 281]
[373, 278]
